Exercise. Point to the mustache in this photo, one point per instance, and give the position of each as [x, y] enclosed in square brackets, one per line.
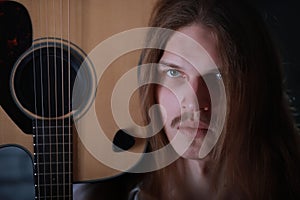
[192, 116]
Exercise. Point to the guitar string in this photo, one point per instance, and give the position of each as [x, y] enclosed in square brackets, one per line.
[68, 73]
[42, 101]
[49, 98]
[67, 149]
[55, 95]
[69, 107]
[36, 139]
[62, 92]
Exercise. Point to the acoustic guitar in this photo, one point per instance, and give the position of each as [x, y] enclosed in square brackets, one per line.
[44, 47]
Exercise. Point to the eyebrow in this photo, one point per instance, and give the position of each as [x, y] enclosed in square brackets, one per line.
[164, 63]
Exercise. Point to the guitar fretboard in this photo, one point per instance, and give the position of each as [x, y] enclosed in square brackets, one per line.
[53, 159]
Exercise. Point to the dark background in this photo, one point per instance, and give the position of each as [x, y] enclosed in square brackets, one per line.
[282, 17]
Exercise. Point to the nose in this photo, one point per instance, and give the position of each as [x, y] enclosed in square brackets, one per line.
[195, 96]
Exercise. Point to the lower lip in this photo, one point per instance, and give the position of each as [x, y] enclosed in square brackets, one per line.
[196, 133]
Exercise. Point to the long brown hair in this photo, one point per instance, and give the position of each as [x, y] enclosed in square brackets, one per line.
[258, 151]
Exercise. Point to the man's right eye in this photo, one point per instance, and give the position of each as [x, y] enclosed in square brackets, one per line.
[173, 73]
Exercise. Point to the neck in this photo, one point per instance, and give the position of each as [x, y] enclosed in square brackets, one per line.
[198, 176]
[53, 158]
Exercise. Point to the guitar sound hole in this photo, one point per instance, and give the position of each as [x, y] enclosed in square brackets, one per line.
[43, 80]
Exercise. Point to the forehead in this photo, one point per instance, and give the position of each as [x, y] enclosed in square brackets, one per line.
[193, 44]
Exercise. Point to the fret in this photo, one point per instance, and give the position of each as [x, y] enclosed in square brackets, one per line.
[57, 197]
[58, 139]
[41, 128]
[61, 173]
[52, 185]
[55, 190]
[50, 141]
[45, 148]
[54, 157]
[63, 185]
[56, 153]
[55, 163]
[51, 127]
[56, 132]
[60, 191]
[56, 144]
[43, 161]
[53, 131]
[53, 136]
[55, 123]
[54, 167]
[65, 160]
[53, 146]
[54, 179]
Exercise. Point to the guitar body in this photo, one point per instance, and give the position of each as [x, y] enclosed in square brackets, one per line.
[42, 47]
[16, 173]
[16, 161]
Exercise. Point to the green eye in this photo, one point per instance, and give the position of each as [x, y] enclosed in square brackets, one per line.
[173, 73]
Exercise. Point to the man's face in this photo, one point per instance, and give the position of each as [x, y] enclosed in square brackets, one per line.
[183, 92]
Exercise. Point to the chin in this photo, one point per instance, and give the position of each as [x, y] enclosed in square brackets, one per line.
[193, 151]
[193, 155]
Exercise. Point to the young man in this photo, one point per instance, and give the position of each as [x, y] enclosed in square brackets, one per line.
[256, 155]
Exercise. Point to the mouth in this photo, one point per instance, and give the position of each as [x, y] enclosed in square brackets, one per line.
[193, 129]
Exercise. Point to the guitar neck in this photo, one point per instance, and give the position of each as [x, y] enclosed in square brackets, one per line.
[53, 158]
